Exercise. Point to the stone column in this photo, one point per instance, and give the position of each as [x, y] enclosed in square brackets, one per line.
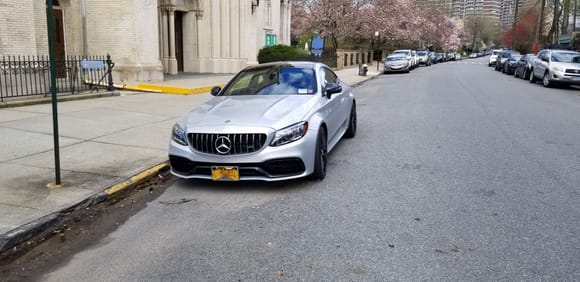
[215, 29]
[164, 41]
[172, 61]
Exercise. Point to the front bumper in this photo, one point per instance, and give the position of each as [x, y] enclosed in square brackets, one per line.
[396, 68]
[289, 161]
[564, 78]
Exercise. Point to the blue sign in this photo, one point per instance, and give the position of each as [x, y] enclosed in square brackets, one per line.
[317, 45]
[92, 65]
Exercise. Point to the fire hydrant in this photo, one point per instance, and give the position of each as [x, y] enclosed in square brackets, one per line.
[363, 70]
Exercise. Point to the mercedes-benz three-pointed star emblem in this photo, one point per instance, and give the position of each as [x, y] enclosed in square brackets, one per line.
[223, 145]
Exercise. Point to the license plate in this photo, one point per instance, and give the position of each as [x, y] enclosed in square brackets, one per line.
[231, 173]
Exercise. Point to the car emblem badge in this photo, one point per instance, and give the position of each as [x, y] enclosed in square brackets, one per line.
[223, 145]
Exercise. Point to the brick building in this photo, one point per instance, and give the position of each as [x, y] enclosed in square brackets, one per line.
[150, 38]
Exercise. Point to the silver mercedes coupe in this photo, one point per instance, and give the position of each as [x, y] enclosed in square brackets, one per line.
[274, 121]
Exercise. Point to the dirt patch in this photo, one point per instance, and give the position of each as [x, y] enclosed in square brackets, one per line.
[80, 229]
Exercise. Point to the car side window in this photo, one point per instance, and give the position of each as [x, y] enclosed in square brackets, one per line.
[543, 55]
[330, 76]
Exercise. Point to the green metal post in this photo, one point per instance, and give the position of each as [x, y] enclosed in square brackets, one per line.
[51, 53]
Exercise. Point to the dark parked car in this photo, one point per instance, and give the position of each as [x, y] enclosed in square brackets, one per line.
[502, 58]
[523, 66]
[510, 64]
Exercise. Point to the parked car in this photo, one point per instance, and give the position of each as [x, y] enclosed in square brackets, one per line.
[424, 58]
[273, 121]
[473, 55]
[523, 66]
[502, 58]
[510, 64]
[441, 57]
[433, 57]
[408, 54]
[397, 63]
[450, 56]
[458, 56]
[415, 59]
[493, 57]
[556, 67]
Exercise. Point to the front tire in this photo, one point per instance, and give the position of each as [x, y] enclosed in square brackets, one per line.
[320, 156]
[546, 80]
[351, 130]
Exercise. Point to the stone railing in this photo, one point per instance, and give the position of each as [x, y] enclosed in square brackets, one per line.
[349, 58]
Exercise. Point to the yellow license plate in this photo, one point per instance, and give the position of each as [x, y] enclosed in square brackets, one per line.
[225, 173]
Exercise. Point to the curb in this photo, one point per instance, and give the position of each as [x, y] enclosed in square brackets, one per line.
[178, 90]
[40, 226]
[47, 100]
[363, 81]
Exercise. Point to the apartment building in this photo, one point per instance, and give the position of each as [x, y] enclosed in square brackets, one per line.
[467, 8]
[508, 10]
[148, 39]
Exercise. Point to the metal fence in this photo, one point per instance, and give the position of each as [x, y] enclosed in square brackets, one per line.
[23, 76]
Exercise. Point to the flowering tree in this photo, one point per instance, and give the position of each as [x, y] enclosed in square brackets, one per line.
[524, 31]
[397, 20]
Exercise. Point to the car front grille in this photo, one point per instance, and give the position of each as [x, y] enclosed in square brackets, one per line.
[227, 144]
[269, 169]
[573, 71]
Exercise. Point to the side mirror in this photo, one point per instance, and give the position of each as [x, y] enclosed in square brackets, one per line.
[215, 90]
[332, 88]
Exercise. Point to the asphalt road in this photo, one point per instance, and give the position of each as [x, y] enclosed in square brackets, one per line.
[457, 173]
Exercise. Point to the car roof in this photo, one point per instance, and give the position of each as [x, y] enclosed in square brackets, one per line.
[296, 64]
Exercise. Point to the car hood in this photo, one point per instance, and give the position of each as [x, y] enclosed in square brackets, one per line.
[567, 65]
[273, 111]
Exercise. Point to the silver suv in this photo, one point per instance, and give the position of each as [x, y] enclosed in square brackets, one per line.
[556, 67]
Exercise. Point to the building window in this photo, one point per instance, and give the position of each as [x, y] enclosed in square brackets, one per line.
[270, 39]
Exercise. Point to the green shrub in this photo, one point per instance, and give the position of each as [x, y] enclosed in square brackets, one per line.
[279, 53]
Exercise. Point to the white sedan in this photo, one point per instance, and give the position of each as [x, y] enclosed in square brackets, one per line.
[274, 121]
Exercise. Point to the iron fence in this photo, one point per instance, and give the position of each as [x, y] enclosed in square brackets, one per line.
[23, 76]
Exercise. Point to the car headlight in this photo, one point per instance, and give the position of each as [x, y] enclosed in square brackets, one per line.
[178, 135]
[557, 68]
[290, 134]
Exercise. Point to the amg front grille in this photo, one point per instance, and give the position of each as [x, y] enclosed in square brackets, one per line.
[226, 144]
[271, 169]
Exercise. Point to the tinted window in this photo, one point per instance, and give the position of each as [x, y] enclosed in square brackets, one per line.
[273, 80]
[566, 57]
[421, 53]
[396, 58]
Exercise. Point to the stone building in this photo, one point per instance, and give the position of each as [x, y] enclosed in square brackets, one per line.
[150, 38]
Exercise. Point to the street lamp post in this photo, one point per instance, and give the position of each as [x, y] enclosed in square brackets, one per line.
[377, 34]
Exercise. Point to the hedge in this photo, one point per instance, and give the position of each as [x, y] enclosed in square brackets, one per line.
[280, 53]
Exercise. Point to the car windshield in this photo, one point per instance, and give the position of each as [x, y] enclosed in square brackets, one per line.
[396, 58]
[516, 57]
[495, 52]
[402, 52]
[421, 53]
[566, 57]
[273, 80]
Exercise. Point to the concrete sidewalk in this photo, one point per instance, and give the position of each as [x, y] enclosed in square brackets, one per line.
[103, 142]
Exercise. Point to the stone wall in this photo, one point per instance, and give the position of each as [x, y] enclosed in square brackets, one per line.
[349, 58]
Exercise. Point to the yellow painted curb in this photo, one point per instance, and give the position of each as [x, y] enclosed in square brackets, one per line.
[177, 90]
[136, 179]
